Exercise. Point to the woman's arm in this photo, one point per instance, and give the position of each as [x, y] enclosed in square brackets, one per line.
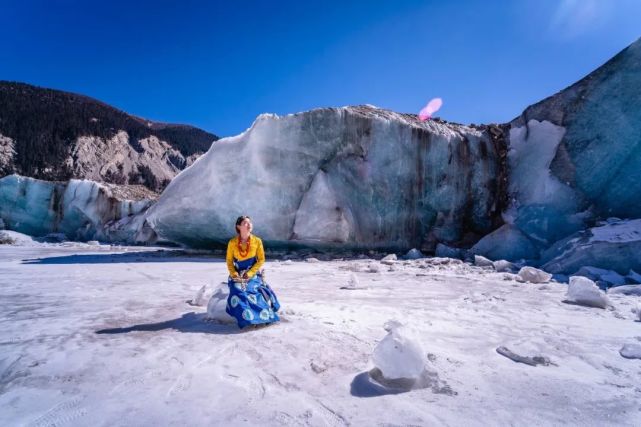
[260, 260]
[230, 258]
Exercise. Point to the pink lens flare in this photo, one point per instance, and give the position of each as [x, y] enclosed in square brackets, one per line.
[431, 108]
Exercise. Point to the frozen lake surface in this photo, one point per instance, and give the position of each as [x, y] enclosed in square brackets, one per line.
[100, 335]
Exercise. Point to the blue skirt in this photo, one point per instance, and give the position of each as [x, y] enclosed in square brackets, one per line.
[251, 303]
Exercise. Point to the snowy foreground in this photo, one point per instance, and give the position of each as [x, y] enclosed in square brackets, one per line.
[94, 335]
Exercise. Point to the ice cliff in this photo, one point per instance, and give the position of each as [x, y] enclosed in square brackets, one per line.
[574, 158]
[546, 187]
[357, 177]
[80, 209]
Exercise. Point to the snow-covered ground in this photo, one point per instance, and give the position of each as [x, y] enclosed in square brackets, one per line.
[94, 335]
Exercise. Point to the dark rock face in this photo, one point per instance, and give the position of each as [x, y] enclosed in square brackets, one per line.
[53, 135]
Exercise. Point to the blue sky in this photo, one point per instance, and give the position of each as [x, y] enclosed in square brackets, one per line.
[217, 65]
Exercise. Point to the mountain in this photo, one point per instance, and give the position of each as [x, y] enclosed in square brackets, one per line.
[56, 136]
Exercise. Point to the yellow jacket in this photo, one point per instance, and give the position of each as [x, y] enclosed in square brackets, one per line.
[255, 250]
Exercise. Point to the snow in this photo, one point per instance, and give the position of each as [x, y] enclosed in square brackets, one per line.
[627, 231]
[156, 361]
[584, 291]
[8, 237]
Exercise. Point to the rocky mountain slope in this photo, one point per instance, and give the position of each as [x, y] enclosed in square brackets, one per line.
[56, 136]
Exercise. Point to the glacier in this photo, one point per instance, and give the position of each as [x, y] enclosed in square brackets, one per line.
[351, 177]
[81, 209]
[534, 190]
[574, 159]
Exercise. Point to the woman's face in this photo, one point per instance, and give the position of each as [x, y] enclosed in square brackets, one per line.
[245, 227]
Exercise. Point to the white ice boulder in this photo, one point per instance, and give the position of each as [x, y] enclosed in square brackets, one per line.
[400, 354]
[611, 278]
[631, 351]
[626, 290]
[389, 259]
[216, 308]
[481, 261]
[534, 275]
[413, 254]
[199, 299]
[353, 282]
[503, 266]
[584, 291]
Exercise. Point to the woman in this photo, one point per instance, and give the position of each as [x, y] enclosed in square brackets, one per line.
[251, 301]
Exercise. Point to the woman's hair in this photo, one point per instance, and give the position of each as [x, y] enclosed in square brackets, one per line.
[239, 220]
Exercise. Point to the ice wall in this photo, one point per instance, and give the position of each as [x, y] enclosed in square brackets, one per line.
[81, 209]
[353, 176]
[575, 158]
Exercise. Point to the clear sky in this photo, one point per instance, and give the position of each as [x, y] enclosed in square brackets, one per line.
[217, 65]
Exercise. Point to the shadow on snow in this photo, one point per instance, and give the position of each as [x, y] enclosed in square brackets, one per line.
[188, 322]
[128, 257]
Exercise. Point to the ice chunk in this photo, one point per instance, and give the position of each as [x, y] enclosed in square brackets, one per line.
[80, 209]
[413, 254]
[608, 278]
[534, 275]
[481, 261]
[626, 290]
[389, 259]
[507, 242]
[633, 278]
[614, 246]
[445, 251]
[399, 354]
[216, 308]
[584, 291]
[353, 281]
[198, 299]
[631, 351]
[503, 266]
